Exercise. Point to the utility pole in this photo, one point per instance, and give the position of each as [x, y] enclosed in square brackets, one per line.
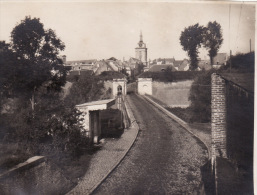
[250, 46]
[230, 60]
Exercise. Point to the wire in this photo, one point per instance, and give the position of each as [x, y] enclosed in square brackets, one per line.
[229, 27]
[238, 25]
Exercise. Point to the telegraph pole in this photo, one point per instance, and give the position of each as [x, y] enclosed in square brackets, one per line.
[230, 60]
[250, 46]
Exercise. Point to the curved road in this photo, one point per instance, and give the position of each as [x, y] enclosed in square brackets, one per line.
[165, 158]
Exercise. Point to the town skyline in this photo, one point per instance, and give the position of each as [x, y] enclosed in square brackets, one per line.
[104, 30]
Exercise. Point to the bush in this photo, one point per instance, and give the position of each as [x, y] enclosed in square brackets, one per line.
[200, 97]
[169, 76]
[242, 62]
[50, 129]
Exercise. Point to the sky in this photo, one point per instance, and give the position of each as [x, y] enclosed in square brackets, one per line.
[112, 29]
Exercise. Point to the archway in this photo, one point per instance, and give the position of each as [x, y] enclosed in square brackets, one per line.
[119, 90]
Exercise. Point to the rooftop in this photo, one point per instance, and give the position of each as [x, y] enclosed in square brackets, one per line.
[159, 68]
[81, 61]
[97, 105]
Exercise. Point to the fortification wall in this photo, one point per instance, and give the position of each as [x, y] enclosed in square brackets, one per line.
[35, 176]
[173, 94]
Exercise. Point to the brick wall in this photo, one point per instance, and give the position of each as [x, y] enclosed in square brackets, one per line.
[218, 117]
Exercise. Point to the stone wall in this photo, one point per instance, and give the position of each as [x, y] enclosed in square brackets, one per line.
[218, 116]
[35, 176]
[173, 94]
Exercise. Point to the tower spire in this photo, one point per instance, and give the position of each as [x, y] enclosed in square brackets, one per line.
[141, 36]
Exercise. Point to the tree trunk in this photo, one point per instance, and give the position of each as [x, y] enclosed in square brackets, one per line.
[32, 101]
[211, 60]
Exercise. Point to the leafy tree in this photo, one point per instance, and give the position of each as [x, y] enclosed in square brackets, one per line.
[54, 127]
[7, 70]
[87, 88]
[140, 68]
[191, 39]
[124, 71]
[200, 97]
[38, 64]
[213, 39]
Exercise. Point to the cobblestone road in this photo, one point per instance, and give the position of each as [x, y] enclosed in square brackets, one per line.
[165, 158]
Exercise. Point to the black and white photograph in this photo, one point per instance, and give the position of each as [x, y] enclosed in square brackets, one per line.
[127, 97]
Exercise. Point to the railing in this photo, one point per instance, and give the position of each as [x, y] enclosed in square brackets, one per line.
[121, 106]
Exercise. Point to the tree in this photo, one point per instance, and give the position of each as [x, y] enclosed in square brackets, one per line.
[213, 39]
[38, 64]
[7, 69]
[191, 39]
[200, 97]
[242, 62]
[87, 88]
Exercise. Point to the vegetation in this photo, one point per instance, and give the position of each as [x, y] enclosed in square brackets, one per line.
[37, 64]
[241, 63]
[213, 39]
[191, 39]
[33, 112]
[200, 92]
[169, 76]
[86, 88]
[110, 75]
[200, 97]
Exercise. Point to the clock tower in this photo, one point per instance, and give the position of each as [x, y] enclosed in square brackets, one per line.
[141, 51]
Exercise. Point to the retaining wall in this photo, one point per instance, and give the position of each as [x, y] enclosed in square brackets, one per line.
[173, 94]
[35, 176]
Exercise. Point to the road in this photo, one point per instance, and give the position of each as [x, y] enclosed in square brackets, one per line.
[165, 158]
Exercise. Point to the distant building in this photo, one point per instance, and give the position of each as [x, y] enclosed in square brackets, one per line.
[102, 66]
[204, 64]
[162, 68]
[220, 60]
[141, 51]
[182, 65]
[81, 64]
[160, 61]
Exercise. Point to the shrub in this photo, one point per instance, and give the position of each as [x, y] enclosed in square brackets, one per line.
[169, 76]
[200, 97]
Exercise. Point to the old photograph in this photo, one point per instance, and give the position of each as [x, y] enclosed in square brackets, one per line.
[127, 97]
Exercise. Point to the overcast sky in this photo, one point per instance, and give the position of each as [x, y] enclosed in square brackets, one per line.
[103, 30]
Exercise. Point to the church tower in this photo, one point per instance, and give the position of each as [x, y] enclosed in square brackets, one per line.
[141, 51]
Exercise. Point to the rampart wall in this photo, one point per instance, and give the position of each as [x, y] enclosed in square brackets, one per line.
[35, 176]
[173, 94]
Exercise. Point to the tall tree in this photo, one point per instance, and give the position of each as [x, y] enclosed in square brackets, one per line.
[7, 69]
[213, 39]
[191, 39]
[38, 62]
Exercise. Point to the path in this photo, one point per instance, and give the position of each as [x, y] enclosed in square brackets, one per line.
[165, 158]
